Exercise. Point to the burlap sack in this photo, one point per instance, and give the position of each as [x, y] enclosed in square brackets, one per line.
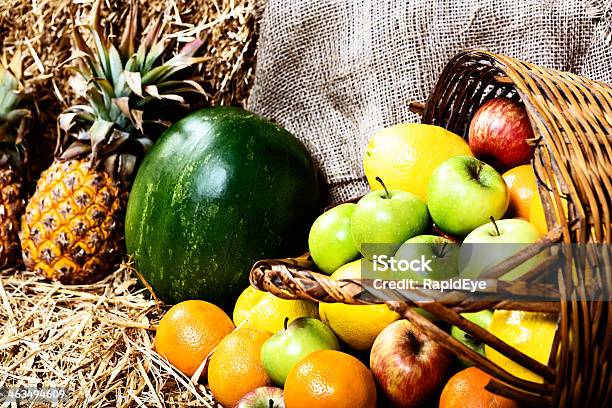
[334, 71]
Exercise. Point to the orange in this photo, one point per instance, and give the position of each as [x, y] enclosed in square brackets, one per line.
[330, 379]
[188, 333]
[522, 186]
[466, 389]
[405, 155]
[235, 367]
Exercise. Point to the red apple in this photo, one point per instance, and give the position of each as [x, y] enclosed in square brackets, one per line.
[498, 134]
[409, 366]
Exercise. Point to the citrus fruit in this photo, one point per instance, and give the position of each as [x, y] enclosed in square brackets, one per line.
[466, 389]
[264, 311]
[356, 325]
[522, 186]
[405, 155]
[189, 331]
[530, 332]
[330, 379]
[536, 212]
[235, 368]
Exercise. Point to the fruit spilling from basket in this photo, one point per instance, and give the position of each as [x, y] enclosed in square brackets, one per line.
[430, 189]
[221, 188]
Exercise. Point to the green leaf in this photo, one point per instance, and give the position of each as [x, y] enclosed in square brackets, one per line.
[107, 89]
[155, 74]
[96, 101]
[116, 65]
[141, 55]
[153, 55]
[121, 87]
[102, 53]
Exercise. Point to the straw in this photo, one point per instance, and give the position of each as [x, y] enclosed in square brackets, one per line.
[95, 340]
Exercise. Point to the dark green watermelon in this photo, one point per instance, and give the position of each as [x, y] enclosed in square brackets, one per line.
[221, 189]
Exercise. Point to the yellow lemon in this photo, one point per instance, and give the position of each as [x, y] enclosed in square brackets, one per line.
[264, 311]
[530, 332]
[356, 325]
[405, 155]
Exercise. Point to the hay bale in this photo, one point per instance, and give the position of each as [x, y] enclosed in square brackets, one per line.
[94, 340]
[42, 28]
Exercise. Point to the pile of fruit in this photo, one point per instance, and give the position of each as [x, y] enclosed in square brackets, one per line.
[222, 188]
[430, 187]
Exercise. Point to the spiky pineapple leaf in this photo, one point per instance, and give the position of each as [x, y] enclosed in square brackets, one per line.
[116, 66]
[13, 116]
[134, 81]
[132, 89]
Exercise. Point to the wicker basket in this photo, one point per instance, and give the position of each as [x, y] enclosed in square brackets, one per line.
[572, 121]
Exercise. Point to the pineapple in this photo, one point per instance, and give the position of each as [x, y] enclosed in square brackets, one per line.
[73, 225]
[12, 158]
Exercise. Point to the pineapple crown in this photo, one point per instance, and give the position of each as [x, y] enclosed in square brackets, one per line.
[133, 90]
[13, 118]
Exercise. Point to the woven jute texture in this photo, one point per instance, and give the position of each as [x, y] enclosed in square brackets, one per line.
[334, 71]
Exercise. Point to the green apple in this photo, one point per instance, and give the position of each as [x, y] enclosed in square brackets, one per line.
[482, 319]
[388, 217]
[283, 350]
[463, 193]
[443, 253]
[330, 240]
[494, 242]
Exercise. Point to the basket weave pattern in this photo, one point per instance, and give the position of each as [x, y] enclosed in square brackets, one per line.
[572, 121]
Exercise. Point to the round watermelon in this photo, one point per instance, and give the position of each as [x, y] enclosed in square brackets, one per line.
[221, 189]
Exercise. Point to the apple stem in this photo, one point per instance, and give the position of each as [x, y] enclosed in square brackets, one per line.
[443, 249]
[495, 225]
[414, 343]
[271, 403]
[285, 322]
[385, 187]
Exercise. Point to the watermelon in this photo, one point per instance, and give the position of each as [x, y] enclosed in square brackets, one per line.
[221, 189]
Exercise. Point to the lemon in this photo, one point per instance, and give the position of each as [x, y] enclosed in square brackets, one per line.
[405, 155]
[255, 309]
[356, 325]
[530, 332]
